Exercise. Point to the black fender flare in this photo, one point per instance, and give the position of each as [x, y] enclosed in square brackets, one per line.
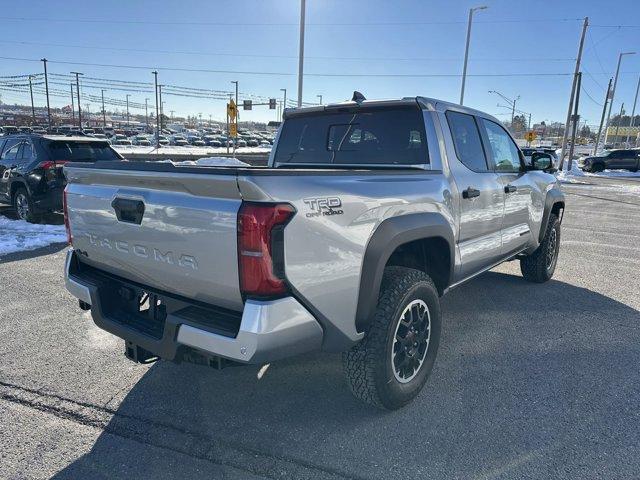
[389, 235]
[17, 183]
[553, 197]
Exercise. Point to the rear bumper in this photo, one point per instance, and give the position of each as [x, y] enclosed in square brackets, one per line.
[263, 332]
[48, 201]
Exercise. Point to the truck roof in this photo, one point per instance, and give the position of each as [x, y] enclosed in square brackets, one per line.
[426, 103]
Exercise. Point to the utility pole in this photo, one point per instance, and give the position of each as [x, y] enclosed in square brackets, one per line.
[619, 122]
[128, 95]
[573, 90]
[320, 97]
[33, 109]
[155, 75]
[73, 106]
[633, 113]
[46, 86]
[77, 74]
[613, 93]
[466, 51]
[301, 53]
[604, 112]
[146, 112]
[576, 121]
[104, 113]
[284, 102]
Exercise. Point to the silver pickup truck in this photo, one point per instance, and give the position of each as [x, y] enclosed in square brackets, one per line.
[367, 213]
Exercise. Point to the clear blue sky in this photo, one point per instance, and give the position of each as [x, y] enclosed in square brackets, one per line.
[366, 37]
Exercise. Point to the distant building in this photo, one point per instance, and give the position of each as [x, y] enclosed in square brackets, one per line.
[619, 135]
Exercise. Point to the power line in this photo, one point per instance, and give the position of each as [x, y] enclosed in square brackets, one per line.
[267, 24]
[288, 74]
[258, 55]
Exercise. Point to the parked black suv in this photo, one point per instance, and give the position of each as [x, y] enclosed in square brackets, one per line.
[31, 178]
[612, 160]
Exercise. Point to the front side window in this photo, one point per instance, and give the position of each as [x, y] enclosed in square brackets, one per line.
[505, 154]
[466, 139]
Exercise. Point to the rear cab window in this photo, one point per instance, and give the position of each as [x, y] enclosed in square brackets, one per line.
[79, 151]
[391, 135]
[467, 141]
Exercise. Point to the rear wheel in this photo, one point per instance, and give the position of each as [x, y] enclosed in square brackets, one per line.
[390, 366]
[540, 265]
[23, 207]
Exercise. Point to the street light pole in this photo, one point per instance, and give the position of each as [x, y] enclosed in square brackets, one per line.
[301, 52]
[619, 121]
[512, 103]
[104, 112]
[146, 112]
[284, 102]
[46, 85]
[613, 93]
[320, 97]
[466, 51]
[633, 113]
[77, 74]
[33, 109]
[73, 105]
[237, 106]
[604, 112]
[155, 78]
[128, 109]
[161, 108]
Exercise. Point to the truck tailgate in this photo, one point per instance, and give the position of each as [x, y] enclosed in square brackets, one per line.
[171, 231]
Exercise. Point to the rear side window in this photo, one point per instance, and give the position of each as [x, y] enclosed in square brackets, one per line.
[384, 136]
[78, 151]
[466, 139]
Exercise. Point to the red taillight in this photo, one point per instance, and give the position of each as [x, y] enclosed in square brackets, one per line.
[65, 210]
[50, 168]
[261, 249]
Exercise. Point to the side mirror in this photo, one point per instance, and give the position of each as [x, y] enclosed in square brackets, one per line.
[541, 161]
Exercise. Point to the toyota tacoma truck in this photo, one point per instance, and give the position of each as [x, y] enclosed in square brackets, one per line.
[367, 213]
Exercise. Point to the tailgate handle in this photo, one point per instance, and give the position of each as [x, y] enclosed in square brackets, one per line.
[128, 211]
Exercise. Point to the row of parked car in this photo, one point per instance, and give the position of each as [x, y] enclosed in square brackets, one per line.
[140, 136]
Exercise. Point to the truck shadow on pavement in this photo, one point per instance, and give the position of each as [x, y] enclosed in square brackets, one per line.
[530, 380]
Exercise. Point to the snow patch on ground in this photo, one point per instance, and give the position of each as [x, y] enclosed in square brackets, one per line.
[18, 235]
[213, 162]
[174, 150]
[576, 173]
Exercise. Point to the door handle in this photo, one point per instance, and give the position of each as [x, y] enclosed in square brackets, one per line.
[510, 189]
[470, 192]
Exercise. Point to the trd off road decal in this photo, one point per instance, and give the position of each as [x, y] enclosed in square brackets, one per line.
[324, 206]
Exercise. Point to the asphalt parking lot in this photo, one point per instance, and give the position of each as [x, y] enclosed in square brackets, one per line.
[531, 381]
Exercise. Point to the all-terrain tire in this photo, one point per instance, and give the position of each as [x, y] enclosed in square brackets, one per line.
[369, 366]
[540, 265]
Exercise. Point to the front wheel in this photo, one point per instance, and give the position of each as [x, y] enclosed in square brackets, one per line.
[540, 265]
[390, 366]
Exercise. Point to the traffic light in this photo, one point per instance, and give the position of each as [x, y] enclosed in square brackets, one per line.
[272, 104]
[246, 104]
